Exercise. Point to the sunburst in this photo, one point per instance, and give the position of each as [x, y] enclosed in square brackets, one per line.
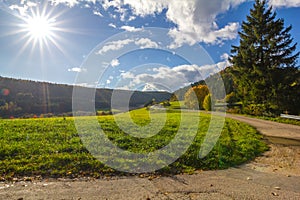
[40, 29]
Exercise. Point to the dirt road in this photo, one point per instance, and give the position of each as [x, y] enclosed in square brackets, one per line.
[270, 128]
[275, 175]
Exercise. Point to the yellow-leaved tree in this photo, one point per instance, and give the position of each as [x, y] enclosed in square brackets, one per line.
[194, 97]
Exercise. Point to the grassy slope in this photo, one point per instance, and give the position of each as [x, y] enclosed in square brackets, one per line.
[52, 147]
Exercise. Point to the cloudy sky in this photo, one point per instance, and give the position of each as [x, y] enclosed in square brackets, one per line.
[128, 44]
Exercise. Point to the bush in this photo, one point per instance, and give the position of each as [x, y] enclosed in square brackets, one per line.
[208, 102]
[254, 109]
[166, 104]
[268, 110]
[234, 110]
[231, 98]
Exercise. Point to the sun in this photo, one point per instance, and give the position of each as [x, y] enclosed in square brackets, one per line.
[39, 27]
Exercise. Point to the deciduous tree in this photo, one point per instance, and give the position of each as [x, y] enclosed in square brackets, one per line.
[194, 97]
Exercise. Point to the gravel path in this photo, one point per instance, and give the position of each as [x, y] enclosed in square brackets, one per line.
[274, 175]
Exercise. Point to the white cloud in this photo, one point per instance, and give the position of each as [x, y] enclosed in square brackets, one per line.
[31, 4]
[115, 3]
[69, 3]
[196, 22]
[195, 19]
[207, 70]
[108, 81]
[131, 18]
[119, 44]
[146, 7]
[92, 1]
[115, 63]
[112, 25]
[21, 9]
[131, 29]
[97, 13]
[172, 78]
[165, 77]
[146, 43]
[284, 3]
[224, 56]
[77, 69]
[127, 75]
[115, 45]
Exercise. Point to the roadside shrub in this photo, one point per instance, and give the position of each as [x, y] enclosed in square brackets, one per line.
[268, 110]
[234, 110]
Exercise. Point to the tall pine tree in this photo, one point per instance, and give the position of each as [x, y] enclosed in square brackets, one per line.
[264, 64]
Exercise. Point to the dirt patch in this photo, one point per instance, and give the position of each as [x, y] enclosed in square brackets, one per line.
[283, 157]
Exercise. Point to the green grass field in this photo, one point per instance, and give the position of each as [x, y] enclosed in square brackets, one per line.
[51, 147]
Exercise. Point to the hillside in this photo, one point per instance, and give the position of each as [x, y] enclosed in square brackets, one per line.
[19, 98]
[214, 81]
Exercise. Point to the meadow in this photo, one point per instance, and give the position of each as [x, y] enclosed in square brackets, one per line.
[52, 147]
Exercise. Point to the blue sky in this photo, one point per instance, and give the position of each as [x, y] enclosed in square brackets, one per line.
[126, 44]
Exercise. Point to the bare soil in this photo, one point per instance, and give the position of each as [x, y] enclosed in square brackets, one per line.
[274, 175]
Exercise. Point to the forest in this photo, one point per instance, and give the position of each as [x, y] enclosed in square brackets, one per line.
[25, 98]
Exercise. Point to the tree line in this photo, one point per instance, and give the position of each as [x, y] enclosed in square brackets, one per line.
[25, 98]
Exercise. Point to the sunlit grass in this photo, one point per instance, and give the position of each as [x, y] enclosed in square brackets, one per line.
[52, 146]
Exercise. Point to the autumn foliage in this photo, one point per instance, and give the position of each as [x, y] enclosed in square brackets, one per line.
[194, 97]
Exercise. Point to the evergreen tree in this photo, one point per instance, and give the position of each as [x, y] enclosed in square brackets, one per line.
[264, 64]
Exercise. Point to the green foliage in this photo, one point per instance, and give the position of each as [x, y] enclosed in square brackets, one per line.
[9, 109]
[166, 103]
[255, 109]
[52, 147]
[231, 98]
[194, 97]
[176, 105]
[264, 66]
[208, 102]
[21, 98]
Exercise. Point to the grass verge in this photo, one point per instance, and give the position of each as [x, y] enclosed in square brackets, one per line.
[281, 120]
